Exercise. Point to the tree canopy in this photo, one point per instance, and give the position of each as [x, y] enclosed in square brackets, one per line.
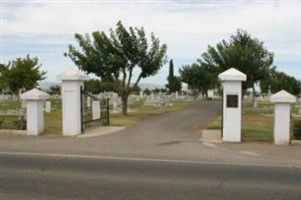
[174, 82]
[242, 52]
[22, 73]
[277, 81]
[114, 57]
[199, 78]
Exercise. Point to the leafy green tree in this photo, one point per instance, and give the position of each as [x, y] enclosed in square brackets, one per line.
[242, 52]
[92, 86]
[55, 89]
[23, 73]
[174, 82]
[4, 70]
[115, 57]
[199, 78]
[277, 81]
[147, 91]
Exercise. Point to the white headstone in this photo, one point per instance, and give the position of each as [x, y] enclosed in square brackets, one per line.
[95, 110]
[48, 107]
[299, 111]
[23, 104]
[255, 105]
[88, 102]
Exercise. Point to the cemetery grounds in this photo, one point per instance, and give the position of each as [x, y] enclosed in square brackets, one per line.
[257, 123]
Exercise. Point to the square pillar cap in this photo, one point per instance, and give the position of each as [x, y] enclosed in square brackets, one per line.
[232, 74]
[283, 97]
[34, 94]
[72, 75]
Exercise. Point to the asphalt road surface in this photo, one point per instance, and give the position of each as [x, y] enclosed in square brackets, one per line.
[160, 158]
[50, 176]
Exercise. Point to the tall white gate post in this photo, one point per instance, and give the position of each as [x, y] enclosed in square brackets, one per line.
[34, 110]
[231, 81]
[72, 80]
[282, 112]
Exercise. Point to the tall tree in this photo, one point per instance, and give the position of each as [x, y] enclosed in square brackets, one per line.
[199, 78]
[4, 70]
[115, 57]
[242, 52]
[277, 81]
[55, 89]
[174, 83]
[24, 73]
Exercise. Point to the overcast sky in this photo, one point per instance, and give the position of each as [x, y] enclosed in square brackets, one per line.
[46, 28]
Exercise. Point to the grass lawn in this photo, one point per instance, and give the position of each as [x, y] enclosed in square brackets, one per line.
[257, 123]
[53, 120]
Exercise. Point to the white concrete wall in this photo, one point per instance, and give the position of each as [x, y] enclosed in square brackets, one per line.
[231, 116]
[282, 123]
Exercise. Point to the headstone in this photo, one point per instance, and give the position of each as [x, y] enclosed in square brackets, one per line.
[95, 110]
[141, 94]
[299, 111]
[115, 104]
[48, 107]
[23, 104]
[255, 105]
[88, 102]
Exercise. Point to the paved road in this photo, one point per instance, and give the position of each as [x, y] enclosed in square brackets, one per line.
[94, 177]
[161, 158]
[170, 136]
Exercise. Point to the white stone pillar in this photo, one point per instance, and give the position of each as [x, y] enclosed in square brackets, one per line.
[282, 116]
[34, 110]
[72, 80]
[232, 91]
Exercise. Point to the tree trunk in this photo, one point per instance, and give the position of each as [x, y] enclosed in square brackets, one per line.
[124, 99]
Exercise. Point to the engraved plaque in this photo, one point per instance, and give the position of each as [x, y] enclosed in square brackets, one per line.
[232, 101]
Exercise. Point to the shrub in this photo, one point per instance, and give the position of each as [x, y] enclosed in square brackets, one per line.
[297, 129]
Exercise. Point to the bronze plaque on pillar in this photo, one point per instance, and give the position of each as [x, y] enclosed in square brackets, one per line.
[232, 101]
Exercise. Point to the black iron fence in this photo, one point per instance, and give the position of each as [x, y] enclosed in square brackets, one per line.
[91, 119]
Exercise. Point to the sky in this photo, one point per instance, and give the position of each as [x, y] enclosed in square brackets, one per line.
[44, 29]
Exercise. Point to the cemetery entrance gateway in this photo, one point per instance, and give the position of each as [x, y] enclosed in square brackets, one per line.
[94, 111]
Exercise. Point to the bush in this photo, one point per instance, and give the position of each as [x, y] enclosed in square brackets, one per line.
[297, 130]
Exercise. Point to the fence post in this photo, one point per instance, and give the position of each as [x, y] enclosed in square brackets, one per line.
[72, 80]
[282, 116]
[232, 101]
[34, 110]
